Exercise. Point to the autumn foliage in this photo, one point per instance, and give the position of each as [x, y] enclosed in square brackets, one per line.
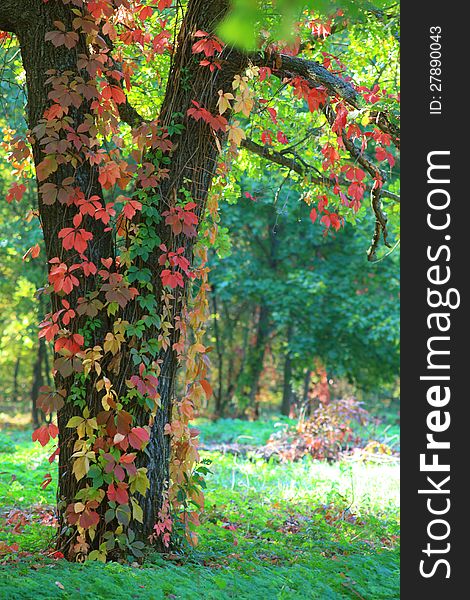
[128, 276]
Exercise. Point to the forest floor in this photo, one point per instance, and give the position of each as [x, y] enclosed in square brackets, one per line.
[303, 530]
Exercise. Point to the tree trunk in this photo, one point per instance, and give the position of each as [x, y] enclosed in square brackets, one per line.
[256, 360]
[237, 351]
[37, 380]
[16, 372]
[219, 396]
[287, 392]
[306, 391]
[39, 59]
[193, 165]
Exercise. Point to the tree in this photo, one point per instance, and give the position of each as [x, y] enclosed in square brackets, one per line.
[325, 302]
[126, 216]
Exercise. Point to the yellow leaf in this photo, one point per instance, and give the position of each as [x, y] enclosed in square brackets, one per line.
[252, 72]
[137, 511]
[239, 82]
[46, 167]
[97, 555]
[120, 327]
[235, 133]
[243, 104]
[74, 421]
[112, 343]
[224, 101]
[198, 347]
[81, 466]
[139, 482]
[365, 119]
[90, 424]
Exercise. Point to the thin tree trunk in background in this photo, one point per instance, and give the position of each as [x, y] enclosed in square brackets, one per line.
[287, 392]
[256, 361]
[15, 380]
[234, 372]
[219, 404]
[307, 378]
[37, 380]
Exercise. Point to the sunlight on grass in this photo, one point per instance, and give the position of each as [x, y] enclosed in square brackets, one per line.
[374, 486]
[296, 530]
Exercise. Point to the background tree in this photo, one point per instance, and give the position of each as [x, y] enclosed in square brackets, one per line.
[303, 294]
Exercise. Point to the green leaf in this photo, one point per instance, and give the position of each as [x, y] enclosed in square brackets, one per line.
[123, 514]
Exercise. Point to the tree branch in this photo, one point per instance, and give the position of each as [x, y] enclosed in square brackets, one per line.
[284, 66]
[129, 114]
[299, 166]
[315, 74]
[376, 193]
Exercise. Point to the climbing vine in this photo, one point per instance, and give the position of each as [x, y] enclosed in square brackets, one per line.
[127, 227]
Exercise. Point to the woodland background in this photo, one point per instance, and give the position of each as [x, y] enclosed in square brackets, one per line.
[300, 435]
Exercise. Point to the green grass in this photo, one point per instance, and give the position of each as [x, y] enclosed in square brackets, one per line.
[237, 430]
[303, 531]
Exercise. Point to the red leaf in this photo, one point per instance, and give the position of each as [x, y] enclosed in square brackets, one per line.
[273, 114]
[59, 38]
[131, 207]
[123, 422]
[56, 452]
[46, 481]
[113, 92]
[138, 436]
[172, 279]
[206, 387]
[89, 518]
[266, 138]
[53, 430]
[41, 435]
[118, 493]
[147, 11]
[209, 44]
[380, 154]
[15, 192]
[75, 238]
[33, 252]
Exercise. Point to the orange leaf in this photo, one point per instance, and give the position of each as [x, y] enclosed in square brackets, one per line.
[207, 388]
